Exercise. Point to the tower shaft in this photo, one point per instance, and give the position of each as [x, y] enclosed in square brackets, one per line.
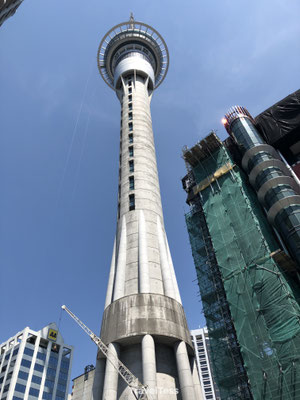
[141, 261]
[143, 321]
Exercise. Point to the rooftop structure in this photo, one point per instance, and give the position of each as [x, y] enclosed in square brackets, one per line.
[35, 365]
[143, 321]
[82, 388]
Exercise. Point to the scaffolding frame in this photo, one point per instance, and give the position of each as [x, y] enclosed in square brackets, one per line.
[250, 303]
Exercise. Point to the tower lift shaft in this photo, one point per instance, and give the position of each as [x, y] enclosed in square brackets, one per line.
[138, 389]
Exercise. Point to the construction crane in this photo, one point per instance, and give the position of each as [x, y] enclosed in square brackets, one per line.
[138, 389]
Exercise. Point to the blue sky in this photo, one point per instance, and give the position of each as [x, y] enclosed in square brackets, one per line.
[60, 131]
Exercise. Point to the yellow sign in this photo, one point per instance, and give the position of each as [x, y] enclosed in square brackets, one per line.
[52, 334]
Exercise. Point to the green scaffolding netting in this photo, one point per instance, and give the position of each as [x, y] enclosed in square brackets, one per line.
[263, 302]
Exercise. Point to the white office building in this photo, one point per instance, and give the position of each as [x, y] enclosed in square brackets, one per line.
[202, 353]
[35, 365]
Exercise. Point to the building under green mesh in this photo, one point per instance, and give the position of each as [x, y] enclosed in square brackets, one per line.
[250, 301]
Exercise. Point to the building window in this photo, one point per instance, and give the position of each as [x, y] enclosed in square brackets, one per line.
[29, 352]
[15, 352]
[26, 363]
[130, 126]
[50, 373]
[41, 356]
[131, 202]
[23, 375]
[47, 396]
[130, 149]
[130, 97]
[63, 376]
[5, 389]
[131, 182]
[20, 388]
[131, 166]
[130, 106]
[130, 138]
[130, 116]
[39, 367]
[34, 392]
[36, 379]
[129, 90]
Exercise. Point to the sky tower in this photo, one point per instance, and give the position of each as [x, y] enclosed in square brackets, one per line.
[143, 322]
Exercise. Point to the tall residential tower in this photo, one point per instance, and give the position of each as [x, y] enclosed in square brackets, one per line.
[143, 321]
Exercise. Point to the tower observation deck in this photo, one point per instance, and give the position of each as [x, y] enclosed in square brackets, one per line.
[143, 321]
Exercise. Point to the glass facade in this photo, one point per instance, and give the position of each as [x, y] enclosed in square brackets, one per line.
[264, 166]
[245, 141]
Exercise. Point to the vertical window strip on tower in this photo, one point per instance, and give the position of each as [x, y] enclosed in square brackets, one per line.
[131, 166]
[130, 150]
[131, 202]
[131, 182]
[130, 138]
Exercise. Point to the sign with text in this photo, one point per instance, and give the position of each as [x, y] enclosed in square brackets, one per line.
[52, 334]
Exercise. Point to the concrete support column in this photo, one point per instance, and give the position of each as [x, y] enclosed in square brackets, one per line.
[121, 263]
[111, 279]
[149, 365]
[144, 283]
[184, 372]
[98, 379]
[110, 389]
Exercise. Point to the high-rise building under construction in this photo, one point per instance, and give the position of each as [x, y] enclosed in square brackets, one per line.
[143, 322]
[244, 231]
